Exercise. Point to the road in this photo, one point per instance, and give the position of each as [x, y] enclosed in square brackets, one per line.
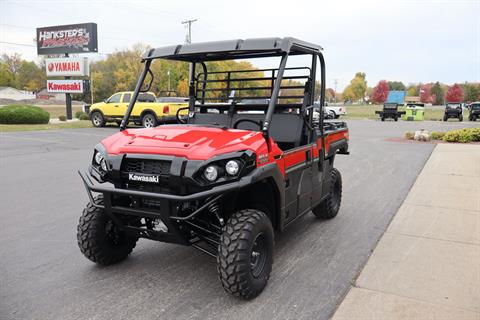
[44, 276]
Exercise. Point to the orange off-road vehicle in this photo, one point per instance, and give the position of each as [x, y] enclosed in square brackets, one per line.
[237, 169]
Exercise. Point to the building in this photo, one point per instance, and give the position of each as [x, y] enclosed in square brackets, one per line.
[45, 95]
[15, 94]
[412, 99]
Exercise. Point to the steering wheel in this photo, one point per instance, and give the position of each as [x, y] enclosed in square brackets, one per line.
[177, 115]
[236, 123]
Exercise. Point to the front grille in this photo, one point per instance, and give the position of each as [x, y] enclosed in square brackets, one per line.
[160, 167]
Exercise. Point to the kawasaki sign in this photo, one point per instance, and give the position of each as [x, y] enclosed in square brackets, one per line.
[67, 67]
[65, 86]
[72, 38]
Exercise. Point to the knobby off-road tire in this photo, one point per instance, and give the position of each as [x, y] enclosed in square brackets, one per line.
[245, 253]
[97, 119]
[329, 208]
[99, 239]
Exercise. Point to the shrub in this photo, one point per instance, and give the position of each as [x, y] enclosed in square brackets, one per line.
[409, 135]
[463, 135]
[78, 114]
[84, 116]
[62, 118]
[23, 114]
[435, 135]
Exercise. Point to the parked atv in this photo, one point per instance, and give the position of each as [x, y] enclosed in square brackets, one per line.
[228, 176]
[474, 111]
[453, 110]
[390, 111]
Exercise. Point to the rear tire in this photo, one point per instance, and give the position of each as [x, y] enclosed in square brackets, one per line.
[460, 118]
[329, 208]
[245, 253]
[99, 239]
[396, 118]
[149, 120]
[97, 119]
[383, 118]
[445, 118]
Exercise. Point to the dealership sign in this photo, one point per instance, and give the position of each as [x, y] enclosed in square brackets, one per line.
[73, 38]
[65, 86]
[67, 67]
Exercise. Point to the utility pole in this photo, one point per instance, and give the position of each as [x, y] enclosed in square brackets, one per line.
[189, 36]
[335, 82]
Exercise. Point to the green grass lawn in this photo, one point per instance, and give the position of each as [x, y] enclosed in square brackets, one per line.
[59, 110]
[368, 112]
[33, 127]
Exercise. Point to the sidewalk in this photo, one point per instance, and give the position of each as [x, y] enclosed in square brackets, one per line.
[427, 264]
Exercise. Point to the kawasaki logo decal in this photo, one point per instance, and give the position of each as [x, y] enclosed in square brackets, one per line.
[143, 178]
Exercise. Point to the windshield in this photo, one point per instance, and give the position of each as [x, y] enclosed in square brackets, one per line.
[454, 105]
[476, 106]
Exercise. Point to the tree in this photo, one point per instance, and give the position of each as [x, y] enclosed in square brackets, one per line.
[426, 93]
[454, 94]
[13, 61]
[471, 91]
[380, 92]
[330, 94]
[412, 90]
[396, 86]
[437, 93]
[30, 76]
[357, 87]
[6, 77]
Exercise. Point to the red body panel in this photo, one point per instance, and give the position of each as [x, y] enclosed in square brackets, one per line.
[191, 142]
[203, 143]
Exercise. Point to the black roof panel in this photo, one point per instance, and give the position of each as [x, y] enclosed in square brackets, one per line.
[233, 49]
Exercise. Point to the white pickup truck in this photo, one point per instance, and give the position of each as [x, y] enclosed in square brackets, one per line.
[331, 111]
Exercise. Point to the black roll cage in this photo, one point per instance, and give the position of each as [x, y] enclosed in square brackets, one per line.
[199, 53]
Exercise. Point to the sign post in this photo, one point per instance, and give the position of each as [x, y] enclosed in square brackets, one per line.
[66, 39]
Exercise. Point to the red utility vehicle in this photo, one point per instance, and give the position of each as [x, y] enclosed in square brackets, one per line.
[237, 168]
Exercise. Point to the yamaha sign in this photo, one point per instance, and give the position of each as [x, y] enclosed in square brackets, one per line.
[67, 67]
[72, 38]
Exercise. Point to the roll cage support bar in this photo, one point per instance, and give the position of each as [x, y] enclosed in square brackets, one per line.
[272, 103]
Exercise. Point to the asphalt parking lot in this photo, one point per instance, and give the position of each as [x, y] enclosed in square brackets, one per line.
[44, 276]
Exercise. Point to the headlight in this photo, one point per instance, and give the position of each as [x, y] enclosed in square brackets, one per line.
[98, 158]
[210, 173]
[232, 167]
[103, 164]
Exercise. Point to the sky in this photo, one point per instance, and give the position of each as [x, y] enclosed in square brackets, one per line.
[409, 41]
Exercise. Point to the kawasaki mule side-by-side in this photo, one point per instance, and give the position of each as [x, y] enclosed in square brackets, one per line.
[235, 170]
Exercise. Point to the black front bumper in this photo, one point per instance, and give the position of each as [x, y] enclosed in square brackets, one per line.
[167, 211]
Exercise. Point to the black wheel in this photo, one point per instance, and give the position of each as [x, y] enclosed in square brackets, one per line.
[460, 118]
[99, 238]
[329, 208]
[245, 253]
[383, 118]
[149, 120]
[97, 119]
[396, 118]
[445, 118]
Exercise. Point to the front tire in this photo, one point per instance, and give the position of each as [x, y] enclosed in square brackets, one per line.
[245, 253]
[460, 118]
[329, 208]
[97, 119]
[99, 239]
[149, 120]
[445, 118]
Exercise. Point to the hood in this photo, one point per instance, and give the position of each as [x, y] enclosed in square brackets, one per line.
[189, 141]
[97, 105]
